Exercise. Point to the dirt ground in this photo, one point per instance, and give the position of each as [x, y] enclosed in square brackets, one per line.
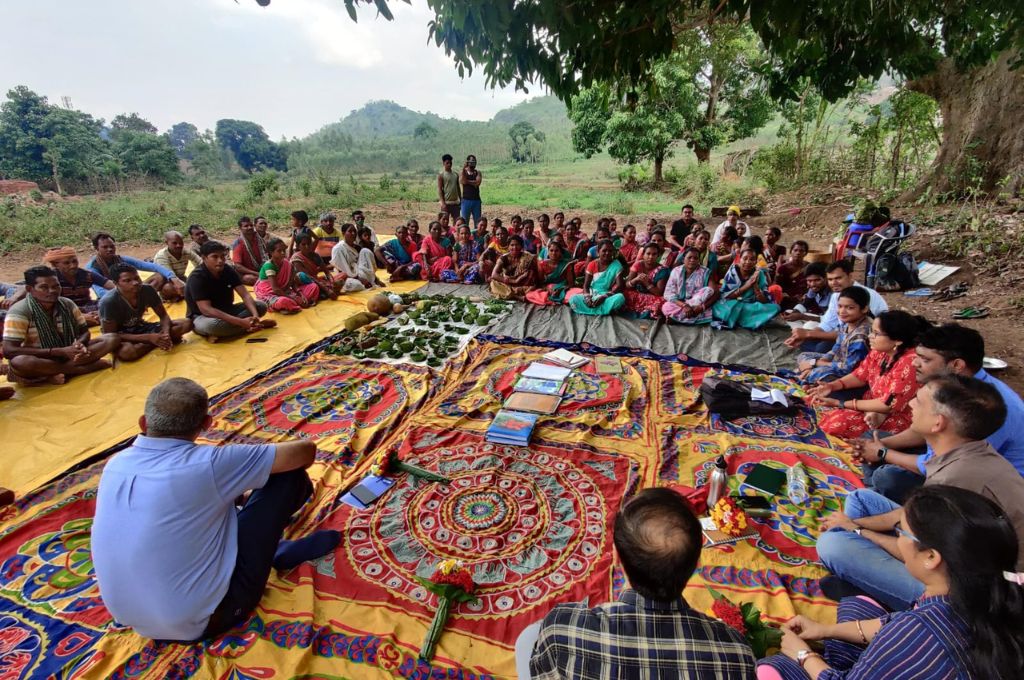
[816, 224]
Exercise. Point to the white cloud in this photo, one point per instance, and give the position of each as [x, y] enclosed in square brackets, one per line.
[292, 67]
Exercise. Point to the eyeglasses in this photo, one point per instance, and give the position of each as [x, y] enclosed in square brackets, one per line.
[898, 528]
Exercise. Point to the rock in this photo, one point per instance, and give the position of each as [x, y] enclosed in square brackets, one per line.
[17, 186]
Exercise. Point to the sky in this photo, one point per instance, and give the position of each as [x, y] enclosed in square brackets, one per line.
[292, 67]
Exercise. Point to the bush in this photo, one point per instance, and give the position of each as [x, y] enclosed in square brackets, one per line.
[634, 178]
[306, 187]
[261, 183]
[385, 183]
[327, 183]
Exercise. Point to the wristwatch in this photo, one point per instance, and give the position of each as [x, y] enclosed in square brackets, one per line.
[882, 453]
[804, 654]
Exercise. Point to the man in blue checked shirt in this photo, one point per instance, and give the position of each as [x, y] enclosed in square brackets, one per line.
[650, 631]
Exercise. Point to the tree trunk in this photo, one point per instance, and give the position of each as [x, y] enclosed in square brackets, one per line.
[659, 161]
[982, 143]
[703, 154]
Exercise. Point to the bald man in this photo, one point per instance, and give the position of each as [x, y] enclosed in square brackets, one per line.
[176, 257]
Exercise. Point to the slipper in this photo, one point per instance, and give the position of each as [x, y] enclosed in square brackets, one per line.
[971, 313]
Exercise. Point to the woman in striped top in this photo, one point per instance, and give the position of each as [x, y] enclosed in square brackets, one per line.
[969, 624]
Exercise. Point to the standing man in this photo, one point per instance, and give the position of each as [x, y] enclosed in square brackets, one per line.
[471, 178]
[210, 298]
[46, 337]
[448, 193]
[174, 558]
[122, 313]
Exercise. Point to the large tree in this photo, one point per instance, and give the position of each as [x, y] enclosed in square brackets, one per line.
[960, 53]
[250, 145]
[706, 93]
[133, 122]
[180, 136]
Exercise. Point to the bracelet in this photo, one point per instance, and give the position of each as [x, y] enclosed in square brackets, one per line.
[802, 658]
[855, 405]
[861, 631]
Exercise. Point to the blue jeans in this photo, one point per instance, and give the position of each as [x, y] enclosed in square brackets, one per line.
[892, 481]
[473, 208]
[818, 346]
[863, 564]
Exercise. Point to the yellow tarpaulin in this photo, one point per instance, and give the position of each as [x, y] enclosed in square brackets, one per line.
[45, 431]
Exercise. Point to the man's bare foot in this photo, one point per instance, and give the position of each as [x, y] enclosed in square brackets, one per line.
[6, 393]
[58, 379]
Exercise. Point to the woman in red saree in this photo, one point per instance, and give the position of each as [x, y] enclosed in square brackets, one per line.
[432, 256]
[887, 372]
[645, 283]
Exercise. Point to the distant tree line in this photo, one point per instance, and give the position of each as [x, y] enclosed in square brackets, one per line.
[70, 151]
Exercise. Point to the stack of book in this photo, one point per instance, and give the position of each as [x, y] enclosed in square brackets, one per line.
[536, 395]
[512, 427]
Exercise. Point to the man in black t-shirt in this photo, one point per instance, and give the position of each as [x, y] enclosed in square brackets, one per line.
[123, 310]
[210, 298]
[682, 227]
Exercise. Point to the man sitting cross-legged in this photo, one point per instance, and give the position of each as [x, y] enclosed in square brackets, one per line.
[650, 631]
[954, 414]
[176, 257]
[174, 558]
[122, 311]
[210, 298]
[46, 337]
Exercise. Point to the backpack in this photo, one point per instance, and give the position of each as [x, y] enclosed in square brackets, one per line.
[731, 399]
[896, 271]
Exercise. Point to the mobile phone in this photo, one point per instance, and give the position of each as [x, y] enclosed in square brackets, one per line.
[256, 339]
[364, 495]
[753, 502]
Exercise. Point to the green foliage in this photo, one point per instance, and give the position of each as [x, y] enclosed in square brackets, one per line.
[133, 122]
[424, 131]
[328, 183]
[147, 155]
[706, 93]
[250, 145]
[526, 143]
[832, 43]
[181, 136]
[261, 183]
[305, 186]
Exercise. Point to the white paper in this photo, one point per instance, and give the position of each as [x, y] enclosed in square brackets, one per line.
[771, 396]
[546, 371]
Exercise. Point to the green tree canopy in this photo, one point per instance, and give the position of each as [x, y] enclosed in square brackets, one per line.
[133, 122]
[180, 136]
[146, 155]
[250, 145]
[526, 143]
[707, 93]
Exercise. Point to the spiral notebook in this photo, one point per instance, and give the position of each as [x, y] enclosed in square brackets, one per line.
[713, 537]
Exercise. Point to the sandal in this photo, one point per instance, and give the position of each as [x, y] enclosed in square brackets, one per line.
[971, 313]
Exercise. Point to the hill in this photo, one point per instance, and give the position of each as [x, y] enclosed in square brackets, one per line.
[380, 137]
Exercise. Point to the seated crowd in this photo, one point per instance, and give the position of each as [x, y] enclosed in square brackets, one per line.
[925, 561]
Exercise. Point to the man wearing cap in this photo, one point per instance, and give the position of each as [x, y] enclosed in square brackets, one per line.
[471, 178]
[732, 219]
[210, 298]
[76, 284]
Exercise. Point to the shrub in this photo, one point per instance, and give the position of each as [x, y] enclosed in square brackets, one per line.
[306, 187]
[261, 183]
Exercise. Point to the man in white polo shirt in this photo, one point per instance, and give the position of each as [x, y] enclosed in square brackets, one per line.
[174, 558]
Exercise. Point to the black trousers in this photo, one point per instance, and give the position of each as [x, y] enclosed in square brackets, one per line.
[261, 523]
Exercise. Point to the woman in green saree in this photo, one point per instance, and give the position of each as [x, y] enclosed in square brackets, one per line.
[555, 271]
[745, 302]
[602, 285]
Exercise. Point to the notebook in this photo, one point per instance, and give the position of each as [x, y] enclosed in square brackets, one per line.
[540, 386]
[534, 403]
[544, 371]
[512, 427]
[764, 479]
[607, 365]
[564, 357]
[712, 536]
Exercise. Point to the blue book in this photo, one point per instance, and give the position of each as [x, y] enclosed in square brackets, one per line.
[512, 427]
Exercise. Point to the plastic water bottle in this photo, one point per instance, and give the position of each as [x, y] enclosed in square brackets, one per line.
[718, 485]
[796, 484]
